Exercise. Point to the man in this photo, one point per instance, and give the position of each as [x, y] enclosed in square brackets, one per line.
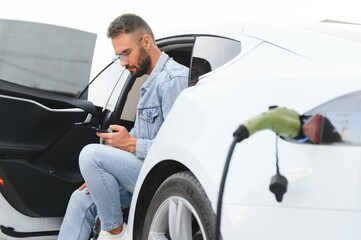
[110, 171]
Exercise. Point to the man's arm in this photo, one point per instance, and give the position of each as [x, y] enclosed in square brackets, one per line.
[170, 92]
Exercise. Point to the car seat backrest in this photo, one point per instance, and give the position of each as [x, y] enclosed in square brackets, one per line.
[200, 66]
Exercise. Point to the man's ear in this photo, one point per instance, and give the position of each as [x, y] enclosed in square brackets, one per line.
[146, 41]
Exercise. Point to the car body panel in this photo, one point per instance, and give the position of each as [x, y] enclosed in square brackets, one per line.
[23, 223]
[210, 125]
[299, 223]
[201, 145]
[310, 44]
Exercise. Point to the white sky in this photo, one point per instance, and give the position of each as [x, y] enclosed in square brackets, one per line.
[162, 15]
[165, 15]
[79, 12]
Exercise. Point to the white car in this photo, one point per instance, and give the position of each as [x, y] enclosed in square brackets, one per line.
[240, 72]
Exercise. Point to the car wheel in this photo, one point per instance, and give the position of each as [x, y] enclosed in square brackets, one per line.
[180, 210]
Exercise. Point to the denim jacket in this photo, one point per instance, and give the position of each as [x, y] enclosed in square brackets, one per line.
[157, 96]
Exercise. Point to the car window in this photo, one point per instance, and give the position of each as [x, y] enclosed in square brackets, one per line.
[130, 106]
[47, 57]
[105, 91]
[211, 52]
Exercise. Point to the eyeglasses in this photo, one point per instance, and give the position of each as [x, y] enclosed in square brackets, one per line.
[124, 56]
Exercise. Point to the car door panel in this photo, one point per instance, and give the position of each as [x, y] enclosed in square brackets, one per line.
[40, 142]
[32, 127]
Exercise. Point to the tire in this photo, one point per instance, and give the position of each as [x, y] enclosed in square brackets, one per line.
[180, 210]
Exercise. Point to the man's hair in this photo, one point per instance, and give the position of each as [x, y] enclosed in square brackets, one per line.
[128, 23]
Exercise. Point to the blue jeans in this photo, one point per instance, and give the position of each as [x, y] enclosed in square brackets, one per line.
[110, 175]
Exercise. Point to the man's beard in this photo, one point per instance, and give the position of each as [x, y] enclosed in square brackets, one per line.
[144, 62]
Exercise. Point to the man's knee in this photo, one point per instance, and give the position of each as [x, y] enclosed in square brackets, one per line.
[79, 203]
[79, 199]
[86, 157]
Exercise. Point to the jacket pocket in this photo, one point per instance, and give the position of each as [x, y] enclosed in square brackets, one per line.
[149, 122]
[149, 114]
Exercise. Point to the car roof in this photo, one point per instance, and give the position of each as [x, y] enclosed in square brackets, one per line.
[343, 30]
[326, 41]
[321, 42]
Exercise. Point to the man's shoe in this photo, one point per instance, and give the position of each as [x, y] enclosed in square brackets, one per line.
[104, 235]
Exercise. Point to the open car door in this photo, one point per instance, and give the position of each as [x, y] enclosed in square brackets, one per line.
[40, 142]
[42, 70]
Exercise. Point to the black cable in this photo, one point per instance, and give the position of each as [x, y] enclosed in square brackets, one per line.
[238, 136]
[221, 188]
[277, 167]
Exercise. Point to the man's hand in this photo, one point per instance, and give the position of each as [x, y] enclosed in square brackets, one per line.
[119, 138]
[82, 187]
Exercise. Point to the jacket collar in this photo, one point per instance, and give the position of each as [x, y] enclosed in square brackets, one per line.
[157, 69]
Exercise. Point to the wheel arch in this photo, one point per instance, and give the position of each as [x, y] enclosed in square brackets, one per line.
[156, 176]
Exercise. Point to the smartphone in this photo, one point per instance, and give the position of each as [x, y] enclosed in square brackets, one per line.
[98, 129]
